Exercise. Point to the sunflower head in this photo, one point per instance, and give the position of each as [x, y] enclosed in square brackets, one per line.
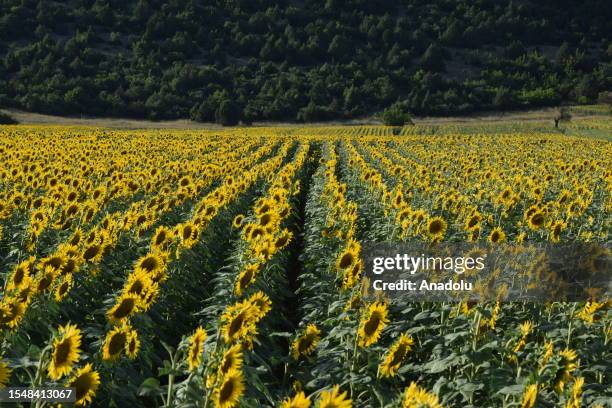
[232, 360]
[66, 351]
[196, 348]
[372, 324]
[334, 399]
[125, 306]
[306, 343]
[299, 400]
[85, 381]
[228, 392]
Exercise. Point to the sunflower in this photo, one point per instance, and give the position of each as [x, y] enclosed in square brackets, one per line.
[372, 324]
[436, 228]
[5, 374]
[11, 312]
[93, 253]
[232, 360]
[196, 348]
[555, 230]
[334, 399]
[529, 396]
[238, 321]
[300, 400]
[536, 220]
[19, 278]
[148, 296]
[132, 345]
[348, 256]
[497, 235]
[137, 282]
[65, 352]
[152, 263]
[567, 364]
[417, 397]
[238, 220]
[576, 395]
[63, 288]
[283, 240]
[228, 392]
[45, 279]
[246, 278]
[473, 221]
[188, 234]
[351, 277]
[260, 305]
[125, 306]
[306, 343]
[115, 342]
[161, 238]
[395, 356]
[85, 381]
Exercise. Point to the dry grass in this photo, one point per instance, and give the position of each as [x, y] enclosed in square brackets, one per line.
[540, 115]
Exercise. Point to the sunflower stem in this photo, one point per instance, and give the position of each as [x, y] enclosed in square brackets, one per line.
[353, 364]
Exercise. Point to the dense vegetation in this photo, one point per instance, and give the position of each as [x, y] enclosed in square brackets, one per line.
[304, 60]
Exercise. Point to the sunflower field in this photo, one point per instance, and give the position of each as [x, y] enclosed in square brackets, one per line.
[224, 268]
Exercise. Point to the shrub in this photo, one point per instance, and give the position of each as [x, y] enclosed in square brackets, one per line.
[396, 115]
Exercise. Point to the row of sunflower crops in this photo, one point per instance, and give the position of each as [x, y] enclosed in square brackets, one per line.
[224, 268]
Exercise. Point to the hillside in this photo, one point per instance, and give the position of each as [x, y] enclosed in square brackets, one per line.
[311, 60]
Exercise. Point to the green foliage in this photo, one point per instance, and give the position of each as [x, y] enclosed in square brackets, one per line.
[307, 61]
[396, 115]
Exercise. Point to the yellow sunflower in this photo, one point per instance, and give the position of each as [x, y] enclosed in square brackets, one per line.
[417, 397]
[11, 312]
[395, 356]
[5, 374]
[62, 289]
[238, 220]
[152, 263]
[436, 228]
[237, 322]
[564, 371]
[246, 277]
[536, 220]
[300, 400]
[334, 399]
[196, 348]
[306, 343]
[125, 306]
[115, 342]
[372, 324]
[529, 396]
[230, 390]
[85, 381]
[348, 256]
[232, 360]
[66, 351]
[497, 235]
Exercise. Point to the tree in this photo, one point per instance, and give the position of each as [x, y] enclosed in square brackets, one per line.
[396, 115]
[433, 59]
[503, 99]
[563, 115]
[228, 113]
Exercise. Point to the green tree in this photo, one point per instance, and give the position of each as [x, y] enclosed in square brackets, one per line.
[396, 115]
[228, 113]
[433, 59]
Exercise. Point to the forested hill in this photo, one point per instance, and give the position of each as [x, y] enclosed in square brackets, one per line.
[303, 60]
